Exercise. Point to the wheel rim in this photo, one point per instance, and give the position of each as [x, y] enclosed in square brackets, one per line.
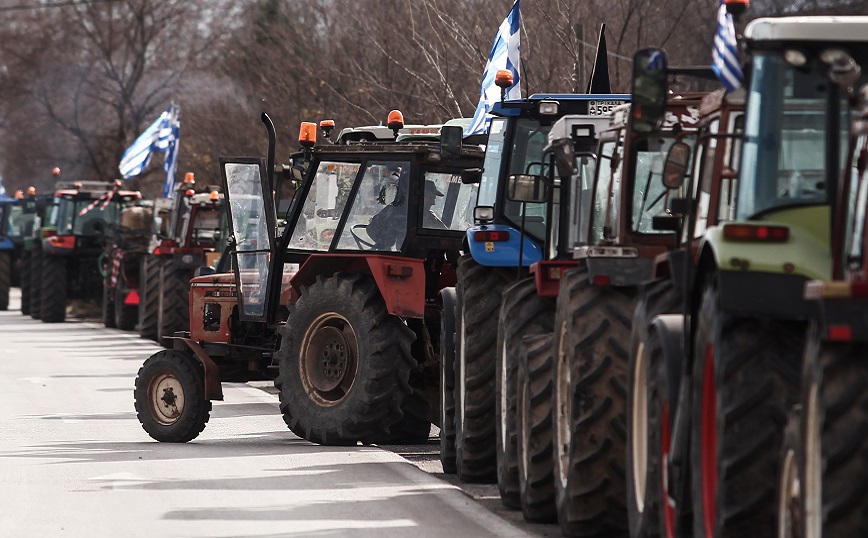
[667, 500]
[789, 499]
[166, 398]
[813, 487]
[639, 427]
[329, 359]
[562, 410]
[709, 443]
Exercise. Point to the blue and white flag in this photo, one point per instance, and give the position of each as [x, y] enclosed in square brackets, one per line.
[2, 189]
[725, 60]
[504, 55]
[168, 141]
[161, 136]
[138, 155]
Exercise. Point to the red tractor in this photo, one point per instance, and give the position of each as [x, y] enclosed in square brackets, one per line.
[190, 230]
[341, 306]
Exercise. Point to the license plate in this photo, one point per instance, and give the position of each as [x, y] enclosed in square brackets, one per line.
[600, 108]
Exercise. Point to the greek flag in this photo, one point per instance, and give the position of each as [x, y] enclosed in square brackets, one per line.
[2, 189]
[725, 60]
[168, 141]
[137, 156]
[504, 55]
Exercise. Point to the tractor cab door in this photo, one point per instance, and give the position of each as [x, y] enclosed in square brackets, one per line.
[251, 227]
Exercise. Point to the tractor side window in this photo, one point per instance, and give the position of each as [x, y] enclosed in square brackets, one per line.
[581, 192]
[63, 217]
[608, 172]
[377, 219]
[704, 173]
[729, 185]
[324, 205]
[447, 203]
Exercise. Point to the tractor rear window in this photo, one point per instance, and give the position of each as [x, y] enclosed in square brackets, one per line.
[85, 217]
[448, 203]
[649, 193]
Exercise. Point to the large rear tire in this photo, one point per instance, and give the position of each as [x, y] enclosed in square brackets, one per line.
[447, 381]
[535, 386]
[650, 410]
[479, 292]
[174, 298]
[592, 332]
[54, 289]
[522, 313]
[149, 297]
[25, 282]
[834, 438]
[344, 363]
[36, 283]
[5, 278]
[170, 397]
[745, 380]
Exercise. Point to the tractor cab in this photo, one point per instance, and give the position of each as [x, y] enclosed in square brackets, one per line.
[85, 210]
[359, 206]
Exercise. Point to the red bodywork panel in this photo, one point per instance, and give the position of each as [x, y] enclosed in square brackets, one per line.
[401, 280]
[62, 241]
[547, 275]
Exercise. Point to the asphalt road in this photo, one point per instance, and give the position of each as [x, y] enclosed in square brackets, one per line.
[74, 460]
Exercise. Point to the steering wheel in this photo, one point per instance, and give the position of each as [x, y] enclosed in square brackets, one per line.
[362, 243]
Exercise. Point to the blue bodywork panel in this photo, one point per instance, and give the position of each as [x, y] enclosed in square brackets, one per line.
[502, 253]
[6, 244]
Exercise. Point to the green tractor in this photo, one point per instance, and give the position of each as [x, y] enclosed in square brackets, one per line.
[72, 244]
[738, 343]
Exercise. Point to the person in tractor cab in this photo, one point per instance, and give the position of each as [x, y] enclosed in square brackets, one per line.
[388, 227]
[429, 218]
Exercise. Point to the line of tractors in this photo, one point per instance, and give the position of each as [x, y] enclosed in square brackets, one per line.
[639, 314]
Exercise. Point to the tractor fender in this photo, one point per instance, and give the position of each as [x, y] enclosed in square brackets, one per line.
[213, 388]
[401, 281]
[502, 253]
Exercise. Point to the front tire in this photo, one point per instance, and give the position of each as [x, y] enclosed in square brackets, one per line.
[593, 325]
[344, 363]
[479, 291]
[650, 410]
[170, 397]
[834, 438]
[36, 283]
[54, 289]
[522, 313]
[535, 385]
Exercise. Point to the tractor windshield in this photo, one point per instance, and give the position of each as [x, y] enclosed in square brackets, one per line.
[784, 151]
[527, 141]
[649, 193]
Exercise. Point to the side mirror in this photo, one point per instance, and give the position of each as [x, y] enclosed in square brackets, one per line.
[470, 176]
[526, 188]
[297, 172]
[649, 90]
[675, 167]
[565, 156]
[450, 140]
